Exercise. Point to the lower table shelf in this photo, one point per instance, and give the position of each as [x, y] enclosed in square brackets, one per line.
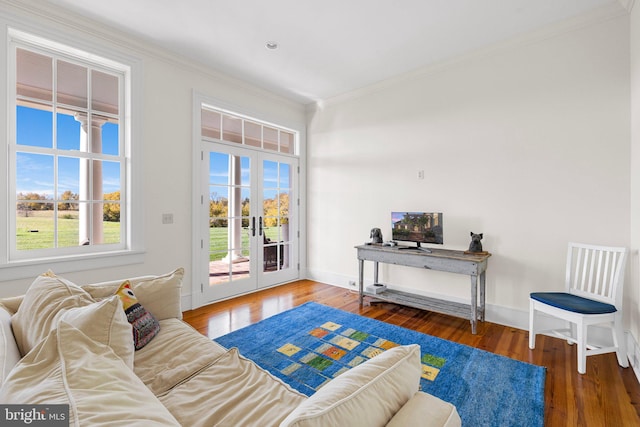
[426, 303]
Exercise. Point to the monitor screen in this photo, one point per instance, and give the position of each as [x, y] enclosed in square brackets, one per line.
[420, 227]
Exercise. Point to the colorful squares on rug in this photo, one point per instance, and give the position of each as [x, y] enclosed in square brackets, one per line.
[429, 372]
[355, 334]
[326, 351]
[432, 360]
[371, 352]
[305, 375]
[331, 351]
[319, 332]
[289, 349]
[345, 342]
[331, 326]
[317, 362]
[385, 344]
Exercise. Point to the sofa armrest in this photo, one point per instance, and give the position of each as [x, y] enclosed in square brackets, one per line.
[428, 410]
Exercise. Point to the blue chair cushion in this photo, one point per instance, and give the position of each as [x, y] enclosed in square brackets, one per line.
[573, 303]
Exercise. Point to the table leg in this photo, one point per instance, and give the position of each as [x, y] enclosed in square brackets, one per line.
[474, 303]
[361, 281]
[482, 285]
[375, 272]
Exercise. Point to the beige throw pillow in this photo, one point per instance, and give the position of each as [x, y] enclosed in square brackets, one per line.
[67, 367]
[160, 295]
[367, 395]
[106, 323]
[42, 302]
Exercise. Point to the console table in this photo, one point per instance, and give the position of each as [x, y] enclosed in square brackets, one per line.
[473, 265]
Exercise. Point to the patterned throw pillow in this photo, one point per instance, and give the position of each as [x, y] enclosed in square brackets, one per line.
[145, 326]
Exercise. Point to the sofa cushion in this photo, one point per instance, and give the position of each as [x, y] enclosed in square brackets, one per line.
[67, 367]
[45, 298]
[191, 352]
[106, 323]
[9, 353]
[430, 410]
[144, 325]
[233, 391]
[389, 379]
[160, 295]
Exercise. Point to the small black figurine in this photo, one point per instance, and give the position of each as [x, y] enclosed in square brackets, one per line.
[475, 245]
[376, 235]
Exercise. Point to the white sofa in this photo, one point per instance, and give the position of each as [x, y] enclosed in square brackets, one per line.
[61, 343]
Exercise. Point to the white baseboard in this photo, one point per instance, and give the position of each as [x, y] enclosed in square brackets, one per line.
[633, 352]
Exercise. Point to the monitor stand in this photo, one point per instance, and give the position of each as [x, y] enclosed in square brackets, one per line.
[419, 248]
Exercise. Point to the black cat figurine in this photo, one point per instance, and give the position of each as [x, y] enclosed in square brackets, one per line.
[475, 245]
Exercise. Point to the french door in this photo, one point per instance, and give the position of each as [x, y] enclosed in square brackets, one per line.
[248, 226]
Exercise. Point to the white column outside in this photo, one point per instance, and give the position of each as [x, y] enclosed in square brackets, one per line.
[90, 214]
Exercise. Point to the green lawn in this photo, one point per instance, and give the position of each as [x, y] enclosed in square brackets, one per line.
[218, 241]
[36, 231]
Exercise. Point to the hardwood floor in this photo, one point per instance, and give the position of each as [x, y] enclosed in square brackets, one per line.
[606, 395]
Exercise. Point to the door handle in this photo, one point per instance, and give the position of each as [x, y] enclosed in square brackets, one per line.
[260, 225]
[253, 225]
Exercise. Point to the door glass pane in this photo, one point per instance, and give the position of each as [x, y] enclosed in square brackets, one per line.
[229, 217]
[276, 183]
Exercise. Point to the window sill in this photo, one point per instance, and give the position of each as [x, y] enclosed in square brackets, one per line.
[32, 268]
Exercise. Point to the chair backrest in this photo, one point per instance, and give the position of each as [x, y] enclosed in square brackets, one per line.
[596, 272]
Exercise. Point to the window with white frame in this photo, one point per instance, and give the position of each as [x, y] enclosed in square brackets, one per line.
[68, 151]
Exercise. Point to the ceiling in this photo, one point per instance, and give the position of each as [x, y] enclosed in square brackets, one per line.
[330, 47]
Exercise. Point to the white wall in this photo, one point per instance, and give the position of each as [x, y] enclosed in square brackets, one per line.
[527, 143]
[167, 122]
[633, 290]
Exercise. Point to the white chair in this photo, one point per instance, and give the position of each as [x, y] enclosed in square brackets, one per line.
[594, 283]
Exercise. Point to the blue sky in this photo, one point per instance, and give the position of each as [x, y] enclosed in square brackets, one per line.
[35, 172]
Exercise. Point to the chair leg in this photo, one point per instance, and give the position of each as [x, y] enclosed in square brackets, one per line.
[532, 332]
[582, 348]
[619, 342]
[572, 332]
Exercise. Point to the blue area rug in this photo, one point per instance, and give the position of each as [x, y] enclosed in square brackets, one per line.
[309, 345]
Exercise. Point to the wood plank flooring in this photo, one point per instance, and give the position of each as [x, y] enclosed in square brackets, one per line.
[606, 395]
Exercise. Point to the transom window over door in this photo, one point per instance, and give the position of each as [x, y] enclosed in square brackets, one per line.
[68, 157]
[229, 127]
